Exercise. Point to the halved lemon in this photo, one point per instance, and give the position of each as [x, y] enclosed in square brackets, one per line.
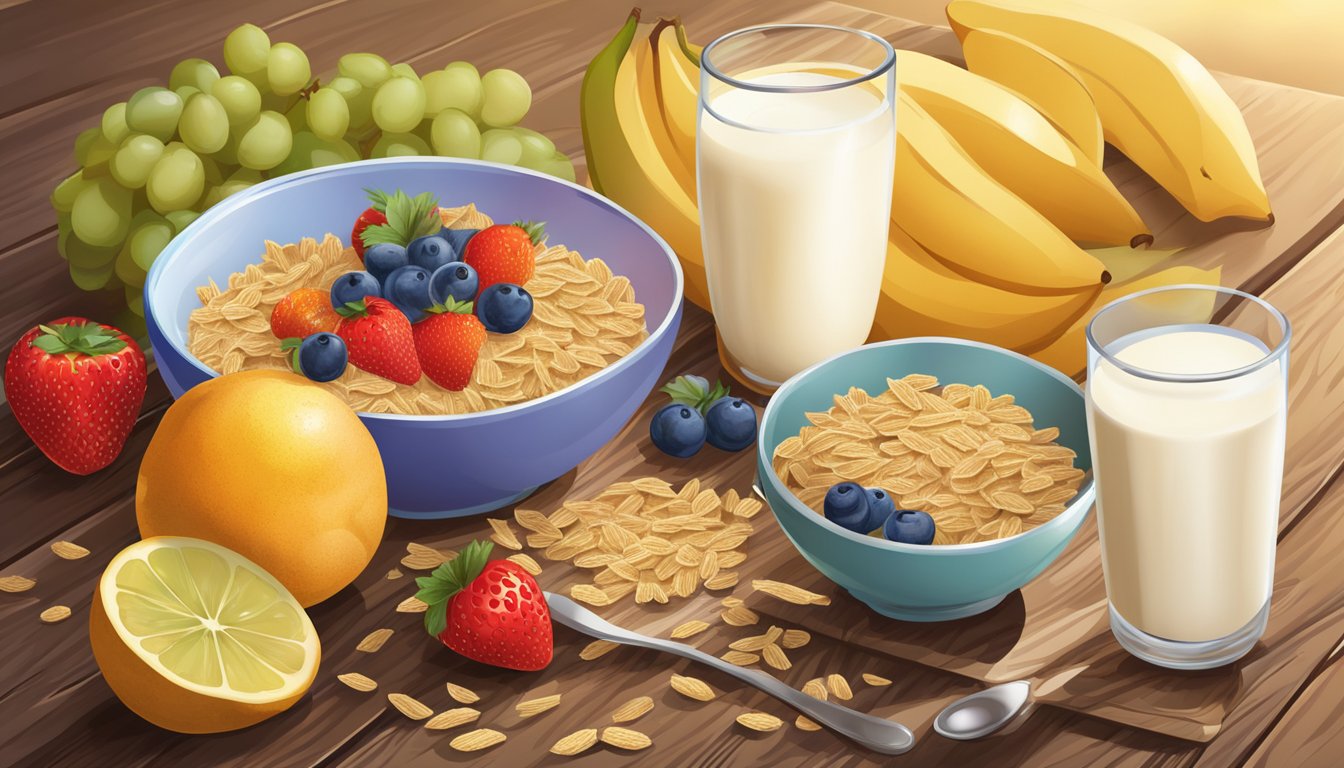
[196, 638]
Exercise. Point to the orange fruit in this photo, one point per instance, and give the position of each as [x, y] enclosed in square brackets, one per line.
[273, 467]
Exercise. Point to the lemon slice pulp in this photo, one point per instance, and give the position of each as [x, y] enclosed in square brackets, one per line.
[196, 638]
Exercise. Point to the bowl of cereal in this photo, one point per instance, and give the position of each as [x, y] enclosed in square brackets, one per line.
[605, 298]
[988, 443]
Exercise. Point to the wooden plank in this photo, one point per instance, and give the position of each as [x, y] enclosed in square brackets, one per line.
[1308, 733]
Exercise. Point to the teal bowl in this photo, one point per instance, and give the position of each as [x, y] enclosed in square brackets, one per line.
[926, 583]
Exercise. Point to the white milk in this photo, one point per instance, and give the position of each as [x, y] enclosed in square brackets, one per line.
[793, 214]
[1188, 481]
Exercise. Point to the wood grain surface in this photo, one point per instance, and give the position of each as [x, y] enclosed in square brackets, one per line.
[1279, 706]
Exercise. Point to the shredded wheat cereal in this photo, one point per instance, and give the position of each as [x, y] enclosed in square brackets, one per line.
[462, 695]
[68, 550]
[358, 682]
[803, 724]
[624, 738]
[412, 605]
[789, 593]
[576, 742]
[374, 641]
[690, 628]
[473, 741]
[16, 584]
[692, 688]
[453, 718]
[54, 614]
[839, 687]
[409, 706]
[632, 710]
[584, 319]
[536, 706]
[759, 721]
[596, 649]
[875, 680]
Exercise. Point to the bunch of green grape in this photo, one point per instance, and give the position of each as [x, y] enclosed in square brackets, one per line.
[160, 158]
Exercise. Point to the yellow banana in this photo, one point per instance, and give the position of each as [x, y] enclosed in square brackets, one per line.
[623, 161]
[643, 68]
[1021, 150]
[1042, 80]
[921, 296]
[1068, 352]
[973, 223]
[678, 93]
[1158, 104]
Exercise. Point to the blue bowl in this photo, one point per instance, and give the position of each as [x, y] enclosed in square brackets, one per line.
[925, 583]
[440, 466]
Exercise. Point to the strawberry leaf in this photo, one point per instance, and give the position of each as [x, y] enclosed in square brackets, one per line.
[536, 230]
[353, 309]
[436, 618]
[694, 392]
[451, 306]
[407, 218]
[68, 339]
[438, 588]
[377, 198]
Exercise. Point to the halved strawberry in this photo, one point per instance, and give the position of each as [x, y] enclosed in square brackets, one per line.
[378, 339]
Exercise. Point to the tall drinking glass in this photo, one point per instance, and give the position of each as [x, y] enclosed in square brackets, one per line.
[796, 141]
[1186, 413]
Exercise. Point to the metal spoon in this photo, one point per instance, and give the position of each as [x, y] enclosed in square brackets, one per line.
[884, 736]
[983, 712]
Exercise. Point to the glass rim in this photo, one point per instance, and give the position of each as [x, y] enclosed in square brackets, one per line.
[706, 60]
[1274, 354]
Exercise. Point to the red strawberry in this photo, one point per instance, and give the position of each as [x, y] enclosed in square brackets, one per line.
[303, 312]
[378, 339]
[504, 253]
[491, 611]
[447, 342]
[369, 217]
[75, 387]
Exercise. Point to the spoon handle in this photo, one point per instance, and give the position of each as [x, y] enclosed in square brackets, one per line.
[884, 736]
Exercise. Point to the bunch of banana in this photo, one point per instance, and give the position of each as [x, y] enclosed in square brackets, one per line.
[1156, 103]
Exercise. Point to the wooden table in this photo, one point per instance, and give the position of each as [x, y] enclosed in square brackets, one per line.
[63, 61]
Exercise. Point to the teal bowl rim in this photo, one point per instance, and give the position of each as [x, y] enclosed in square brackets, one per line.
[230, 204]
[1071, 517]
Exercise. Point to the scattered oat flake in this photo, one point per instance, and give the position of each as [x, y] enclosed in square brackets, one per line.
[597, 648]
[393, 574]
[624, 738]
[55, 613]
[775, 657]
[536, 706]
[740, 658]
[527, 563]
[576, 742]
[587, 593]
[876, 680]
[68, 550]
[795, 638]
[16, 584]
[816, 688]
[740, 616]
[759, 721]
[731, 602]
[462, 695]
[358, 682]
[503, 535]
[422, 558]
[409, 706]
[374, 641]
[632, 710]
[690, 628]
[474, 741]
[452, 718]
[803, 724]
[412, 605]
[789, 593]
[839, 688]
[693, 688]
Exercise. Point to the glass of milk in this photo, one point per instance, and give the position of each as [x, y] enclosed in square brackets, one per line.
[1186, 411]
[794, 155]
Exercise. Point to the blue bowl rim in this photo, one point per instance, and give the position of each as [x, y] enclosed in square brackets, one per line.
[1072, 515]
[265, 188]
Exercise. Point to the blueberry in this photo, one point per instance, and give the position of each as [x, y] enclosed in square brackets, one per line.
[846, 505]
[455, 279]
[430, 252]
[322, 356]
[731, 424]
[408, 288]
[678, 430]
[880, 507]
[457, 238]
[353, 286]
[382, 258]
[909, 526]
[504, 307]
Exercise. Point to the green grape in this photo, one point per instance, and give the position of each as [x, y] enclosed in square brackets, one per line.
[400, 145]
[437, 91]
[114, 123]
[399, 104]
[63, 196]
[185, 92]
[297, 116]
[507, 98]
[370, 69]
[247, 49]
[228, 154]
[287, 69]
[328, 114]
[127, 271]
[154, 111]
[101, 213]
[249, 175]
[177, 181]
[537, 149]
[145, 243]
[63, 225]
[404, 70]
[313, 152]
[197, 73]
[134, 159]
[265, 143]
[221, 191]
[454, 134]
[462, 88]
[239, 97]
[213, 173]
[204, 124]
[63, 237]
[501, 146]
[559, 166]
[85, 256]
[358, 100]
[135, 302]
[93, 279]
[425, 130]
[84, 142]
[97, 151]
[180, 219]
